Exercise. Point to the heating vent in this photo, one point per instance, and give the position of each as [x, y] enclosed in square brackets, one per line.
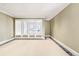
[29, 36]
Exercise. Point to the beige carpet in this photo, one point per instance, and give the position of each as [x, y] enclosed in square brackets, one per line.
[32, 48]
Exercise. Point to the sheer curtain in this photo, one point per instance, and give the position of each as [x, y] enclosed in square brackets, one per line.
[18, 27]
[28, 27]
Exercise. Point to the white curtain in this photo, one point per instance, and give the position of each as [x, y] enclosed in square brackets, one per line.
[28, 26]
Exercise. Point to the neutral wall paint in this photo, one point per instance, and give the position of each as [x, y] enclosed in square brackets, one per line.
[65, 26]
[6, 27]
[47, 27]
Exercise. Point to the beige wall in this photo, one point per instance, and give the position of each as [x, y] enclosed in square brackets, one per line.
[65, 26]
[47, 27]
[6, 27]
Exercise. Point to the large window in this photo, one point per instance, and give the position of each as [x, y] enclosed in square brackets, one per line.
[28, 26]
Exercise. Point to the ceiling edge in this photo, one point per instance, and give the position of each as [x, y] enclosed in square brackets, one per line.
[58, 12]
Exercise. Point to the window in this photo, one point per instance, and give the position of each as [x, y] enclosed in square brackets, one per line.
[34, 27]
[28, 27]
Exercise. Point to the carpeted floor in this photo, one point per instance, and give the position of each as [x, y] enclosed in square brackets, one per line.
[32, 48]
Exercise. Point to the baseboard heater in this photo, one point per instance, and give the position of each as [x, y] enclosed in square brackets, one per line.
[29, 37]
[68, 50]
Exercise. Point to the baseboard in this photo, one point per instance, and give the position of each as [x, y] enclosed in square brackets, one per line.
[65, 47]
[6, 41]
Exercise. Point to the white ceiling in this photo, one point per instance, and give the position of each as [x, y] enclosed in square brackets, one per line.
[32, 10]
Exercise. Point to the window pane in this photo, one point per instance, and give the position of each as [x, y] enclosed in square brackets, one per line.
[34, 27]
[31, 28]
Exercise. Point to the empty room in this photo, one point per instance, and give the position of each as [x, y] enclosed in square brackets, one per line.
[39, 29]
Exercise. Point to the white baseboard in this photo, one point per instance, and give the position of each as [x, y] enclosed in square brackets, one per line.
[3, 42]
[65, 46]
